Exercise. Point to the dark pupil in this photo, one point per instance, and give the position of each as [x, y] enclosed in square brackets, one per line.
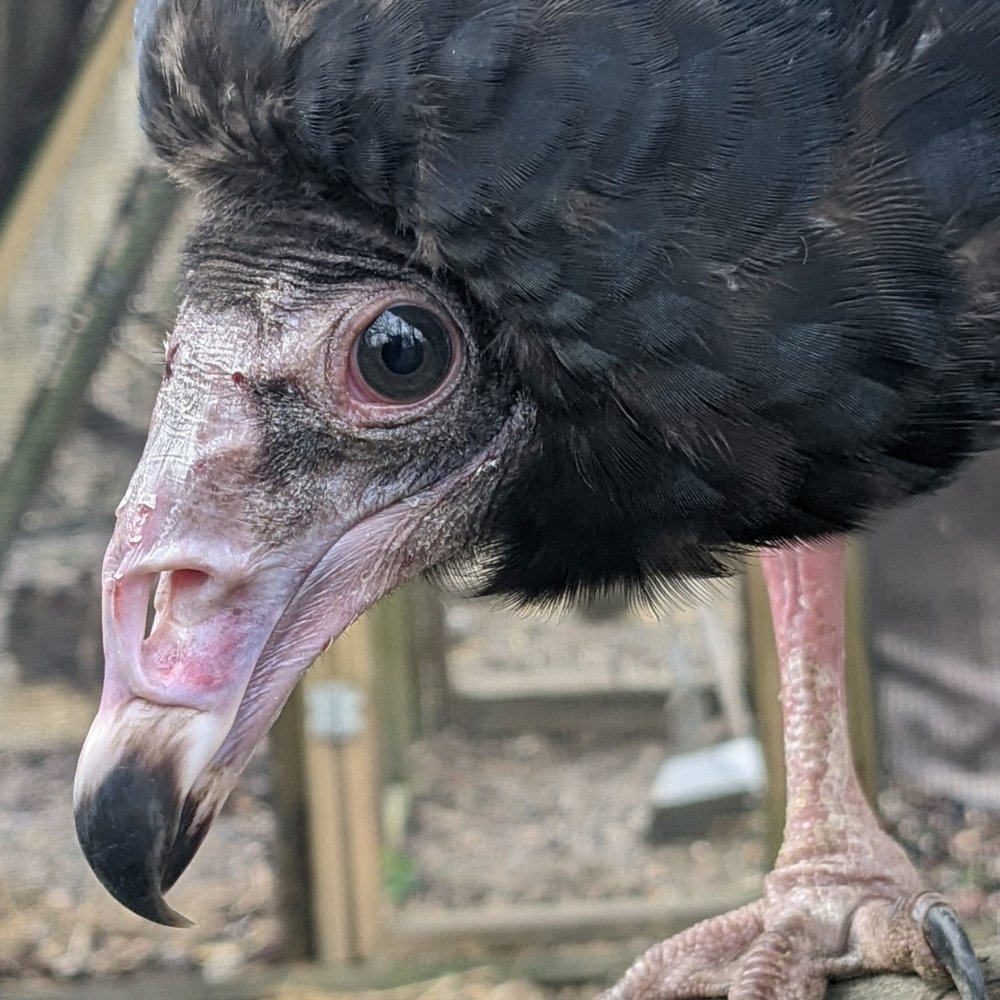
[405, 354]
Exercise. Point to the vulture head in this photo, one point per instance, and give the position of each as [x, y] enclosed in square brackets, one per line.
[525, 286]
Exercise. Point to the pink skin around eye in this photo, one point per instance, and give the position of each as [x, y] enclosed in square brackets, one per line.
[367, 406]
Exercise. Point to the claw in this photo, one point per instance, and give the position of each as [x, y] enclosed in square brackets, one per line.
[952, 948]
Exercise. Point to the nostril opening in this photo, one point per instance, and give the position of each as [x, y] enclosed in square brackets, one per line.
[151, 605]
[168, 592]
[184, 580]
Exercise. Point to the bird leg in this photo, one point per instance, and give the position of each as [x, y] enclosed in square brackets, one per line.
[843, 900]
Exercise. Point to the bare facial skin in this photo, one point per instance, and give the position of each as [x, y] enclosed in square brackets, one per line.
[279, 496]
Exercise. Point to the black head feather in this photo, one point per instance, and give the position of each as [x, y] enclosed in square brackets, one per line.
[742, 257]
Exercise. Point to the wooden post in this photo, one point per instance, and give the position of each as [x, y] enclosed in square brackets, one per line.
[291, 811]
[397, 685]
[339, 764]
[47, 170]
[762, 656]
[344, 800]
[435, 701]
[860, 696]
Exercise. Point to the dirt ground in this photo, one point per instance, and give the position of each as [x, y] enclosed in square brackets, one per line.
[481, 984]
[503, 821]
[506, 820]
[515, 820]
[544, 822]
[57, 922]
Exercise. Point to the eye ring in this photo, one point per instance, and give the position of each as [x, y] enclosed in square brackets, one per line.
[403, 355]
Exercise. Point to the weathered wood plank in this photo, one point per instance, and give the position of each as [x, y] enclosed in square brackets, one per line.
[363, 797]
[35, 195]
[396, 681]
[344, 804]
[566, 967]
[762, 659]
[593, 714]
[330, 896]
[429, 647]
[551, 924]
[38, 51]
[291, 811]
[56, 224]
[329, 789]
[860, 698]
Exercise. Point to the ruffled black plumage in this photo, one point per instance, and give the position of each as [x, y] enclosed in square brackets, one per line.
[743, 257]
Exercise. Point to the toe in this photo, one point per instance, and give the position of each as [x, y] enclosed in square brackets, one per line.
[780, 964]
[918, 933]
[699, 962]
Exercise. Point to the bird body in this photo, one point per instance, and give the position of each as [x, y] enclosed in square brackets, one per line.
[589, 295]
[741, 258]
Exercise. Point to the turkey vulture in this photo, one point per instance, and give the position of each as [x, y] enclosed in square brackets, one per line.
[574, 296]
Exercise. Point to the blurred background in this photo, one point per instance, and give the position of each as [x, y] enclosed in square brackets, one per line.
[544, 793]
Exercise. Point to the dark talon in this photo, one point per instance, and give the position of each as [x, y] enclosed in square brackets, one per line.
[952, 948]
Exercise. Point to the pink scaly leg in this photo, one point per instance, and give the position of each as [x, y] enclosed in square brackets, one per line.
[843, 900]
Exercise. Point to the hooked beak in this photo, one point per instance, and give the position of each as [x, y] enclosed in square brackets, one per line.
[242, 609]
[184, 707]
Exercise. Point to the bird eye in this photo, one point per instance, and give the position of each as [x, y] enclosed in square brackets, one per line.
[404, 355]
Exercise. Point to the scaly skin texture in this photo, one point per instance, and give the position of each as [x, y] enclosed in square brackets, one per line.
[843, 899]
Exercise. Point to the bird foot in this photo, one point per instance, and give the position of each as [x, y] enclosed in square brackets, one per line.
[804, 932]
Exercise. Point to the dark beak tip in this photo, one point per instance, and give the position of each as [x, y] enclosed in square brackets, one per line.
[126, 828]
[151, 906]
[167, 916]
